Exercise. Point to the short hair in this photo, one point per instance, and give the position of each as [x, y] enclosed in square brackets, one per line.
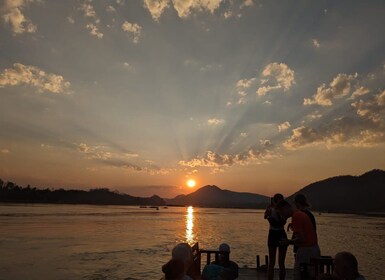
[283, 204]
[349, 258]
[278, 197]
[182, 252]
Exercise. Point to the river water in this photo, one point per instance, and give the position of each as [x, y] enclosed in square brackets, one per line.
[124, 242]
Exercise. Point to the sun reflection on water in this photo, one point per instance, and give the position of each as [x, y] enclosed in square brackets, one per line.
[190, 225]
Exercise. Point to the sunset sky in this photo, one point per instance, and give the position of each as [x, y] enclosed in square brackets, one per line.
[139, 96]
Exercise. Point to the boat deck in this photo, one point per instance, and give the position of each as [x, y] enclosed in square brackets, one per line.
[252, 273]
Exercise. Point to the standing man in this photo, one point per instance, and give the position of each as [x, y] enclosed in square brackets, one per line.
[304, 235]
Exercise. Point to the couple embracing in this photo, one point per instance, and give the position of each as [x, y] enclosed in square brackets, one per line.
[304, 237]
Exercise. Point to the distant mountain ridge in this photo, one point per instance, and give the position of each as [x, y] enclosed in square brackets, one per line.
[212, 196]
[364, 193]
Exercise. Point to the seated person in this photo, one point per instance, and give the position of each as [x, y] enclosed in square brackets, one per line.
[182, 252]
[173, 270]
[346, 267]
[223, 269]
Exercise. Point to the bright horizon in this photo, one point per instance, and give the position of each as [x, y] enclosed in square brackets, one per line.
[142, 96]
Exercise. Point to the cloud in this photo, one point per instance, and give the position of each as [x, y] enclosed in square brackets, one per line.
[94, 31]
[70, 20]
[245, 83]
[128, 67]
[283, 126]
[360, 92]
[156, 7]
[372, 109]
[90, 14]
[21, 74]
[126, 160]
[341, 132]
[339, 87]
[211, 67]
[110, 9]
[216, 160]
[184, 8]
[278, 75]
[214, 121]
[12, 15]
[316, 44]
[133, 29]
[365, 130]
[247, 3]
[88, 10]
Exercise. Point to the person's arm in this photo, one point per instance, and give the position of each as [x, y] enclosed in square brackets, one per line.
[267, 213]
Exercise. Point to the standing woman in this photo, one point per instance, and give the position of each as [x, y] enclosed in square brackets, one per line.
[276, 234]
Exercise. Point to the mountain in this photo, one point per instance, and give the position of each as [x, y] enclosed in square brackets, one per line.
[212, 196]
[10, 192]
[364, 193]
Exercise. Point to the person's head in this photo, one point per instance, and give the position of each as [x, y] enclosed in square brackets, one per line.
[182, 252]
[277, 198]
[300, 201]
[224, 252]
[173, 270]
[345, 266]
[284, 209]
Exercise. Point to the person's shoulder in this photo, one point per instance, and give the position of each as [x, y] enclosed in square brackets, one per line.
[298, 214]
[186, 277]
[234, 264]
[360, 278]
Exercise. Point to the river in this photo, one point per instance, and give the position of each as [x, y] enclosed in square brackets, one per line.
[46, 241]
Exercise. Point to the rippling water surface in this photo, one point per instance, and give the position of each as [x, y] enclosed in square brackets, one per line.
[122, 242]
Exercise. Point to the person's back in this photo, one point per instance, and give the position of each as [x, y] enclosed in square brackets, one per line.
[173, 270]
[302, 225]
[230, 271]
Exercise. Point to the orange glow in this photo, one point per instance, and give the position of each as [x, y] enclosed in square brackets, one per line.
[191, 183]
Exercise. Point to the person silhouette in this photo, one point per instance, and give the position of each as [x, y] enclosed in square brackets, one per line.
[276, 234]
[173, 270]
[223, 268]
[304, 235]
[346, 267]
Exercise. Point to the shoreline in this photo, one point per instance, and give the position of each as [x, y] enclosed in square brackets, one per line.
[317, 212]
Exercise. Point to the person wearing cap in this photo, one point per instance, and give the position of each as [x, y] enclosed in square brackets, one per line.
[304, 235]
[301, 203]
[223, 268]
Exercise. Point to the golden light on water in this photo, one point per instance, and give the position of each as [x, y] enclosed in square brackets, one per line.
[190, 225]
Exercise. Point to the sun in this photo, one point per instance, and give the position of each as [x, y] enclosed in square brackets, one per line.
[191, 183]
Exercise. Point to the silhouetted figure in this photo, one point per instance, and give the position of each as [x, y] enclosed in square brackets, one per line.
[301, 204]
[346, 267]
[223, 269]
[173, 270]
[276, 234]
[304, 235]
[183, 253]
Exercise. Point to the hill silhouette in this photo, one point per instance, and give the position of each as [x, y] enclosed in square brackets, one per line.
[349, 194]
[10, 192]
[212, 196]
[364, 193]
